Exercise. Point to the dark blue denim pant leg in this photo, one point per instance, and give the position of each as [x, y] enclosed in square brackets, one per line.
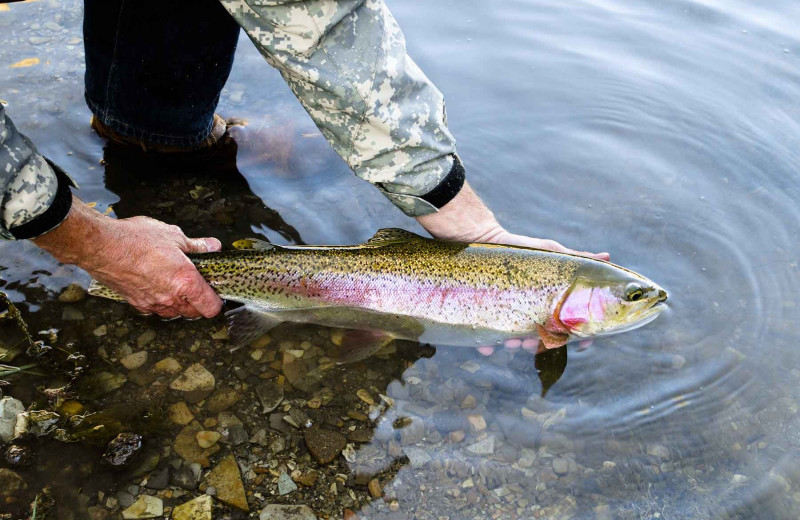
[155, 68]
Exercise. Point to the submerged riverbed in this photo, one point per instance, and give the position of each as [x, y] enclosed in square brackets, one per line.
[666, 133]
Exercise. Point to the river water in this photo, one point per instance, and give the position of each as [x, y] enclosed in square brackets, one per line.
[663, 132]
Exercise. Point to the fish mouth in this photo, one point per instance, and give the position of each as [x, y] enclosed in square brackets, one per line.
[643, 317]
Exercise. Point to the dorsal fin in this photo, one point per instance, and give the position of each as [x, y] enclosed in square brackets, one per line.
[390, 236]
[253, 244]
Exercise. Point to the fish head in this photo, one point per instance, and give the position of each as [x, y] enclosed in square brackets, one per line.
[607, 299]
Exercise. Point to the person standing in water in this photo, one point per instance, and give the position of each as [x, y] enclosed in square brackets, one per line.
[154, 72]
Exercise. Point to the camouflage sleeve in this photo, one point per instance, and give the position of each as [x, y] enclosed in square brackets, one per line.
[346, 62]
[35, 197]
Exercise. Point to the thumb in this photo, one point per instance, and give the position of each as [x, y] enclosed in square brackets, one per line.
[201, 245]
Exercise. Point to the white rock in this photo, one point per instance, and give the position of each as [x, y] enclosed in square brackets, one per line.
[484, 447]
[145, 507]
[9, 408]
[135, 360]
[286, 512]
[196, 382]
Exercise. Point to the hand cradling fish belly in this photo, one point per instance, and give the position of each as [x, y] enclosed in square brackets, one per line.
[399, 285]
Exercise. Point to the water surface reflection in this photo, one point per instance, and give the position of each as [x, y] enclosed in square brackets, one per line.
[665, 132]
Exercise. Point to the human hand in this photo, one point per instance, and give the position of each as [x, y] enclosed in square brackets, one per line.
[467, 219]
[141, 258]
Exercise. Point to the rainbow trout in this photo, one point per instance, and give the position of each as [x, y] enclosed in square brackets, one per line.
[401, 285]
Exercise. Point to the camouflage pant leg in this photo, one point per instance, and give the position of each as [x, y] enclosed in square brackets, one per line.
[346, 62]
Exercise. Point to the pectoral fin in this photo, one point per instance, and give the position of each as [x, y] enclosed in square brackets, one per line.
[551, 365]
[246, 324]
[355, 345]
[552, 339]
[98, 289]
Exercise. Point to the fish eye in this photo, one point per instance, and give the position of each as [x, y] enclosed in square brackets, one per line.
[633, 292]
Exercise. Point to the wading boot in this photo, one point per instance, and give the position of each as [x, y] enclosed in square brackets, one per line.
[218, 130]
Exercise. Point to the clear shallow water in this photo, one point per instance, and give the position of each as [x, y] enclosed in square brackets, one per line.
[666, 133]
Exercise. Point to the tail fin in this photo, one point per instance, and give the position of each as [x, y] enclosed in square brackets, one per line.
[98, 289]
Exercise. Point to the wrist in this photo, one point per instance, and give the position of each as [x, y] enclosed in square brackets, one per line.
[78, 237]
[465, 219]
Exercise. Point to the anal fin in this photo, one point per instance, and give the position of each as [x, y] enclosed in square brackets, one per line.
[247, 323]
[355, 345]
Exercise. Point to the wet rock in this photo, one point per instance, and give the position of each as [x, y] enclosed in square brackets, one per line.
[270, 395]
[180, 414]
[470, 366]
[207, 439]
[100, 331]
[71, 313]
[469, 402]
[476, 422]
[294, 370]
[97, 513]
[149, 463]
[278, 445]
[277, 423]
[285, 484]
[412, 433]
[197, 509]
[144, 507]
[12, 486]
[324, 445]
[417, 457]
[375, 489]
[196, 383]
[484, 447]
[19, 455]
[158, 479]
[124, 499]
[135, 360]
[9, 408]
[658, 450]
[560, 466]
[39, 423]
[107, 382]
[184, 478]
[168, 366]
[73, 293]
[237, 435]
[145, 338]
[307, 479]
[222, 399]
[122, 449]
[286, 512]
[142, 376]
[456, 436]
[186, 446]
[365, 396]
[227, 480]
[360, 435]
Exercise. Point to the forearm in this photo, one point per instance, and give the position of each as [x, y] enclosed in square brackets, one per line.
[346, 61]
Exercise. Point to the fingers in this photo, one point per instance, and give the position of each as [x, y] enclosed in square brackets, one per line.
[541, 243]
[193, 295]
[186, 295]
[200, 245]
